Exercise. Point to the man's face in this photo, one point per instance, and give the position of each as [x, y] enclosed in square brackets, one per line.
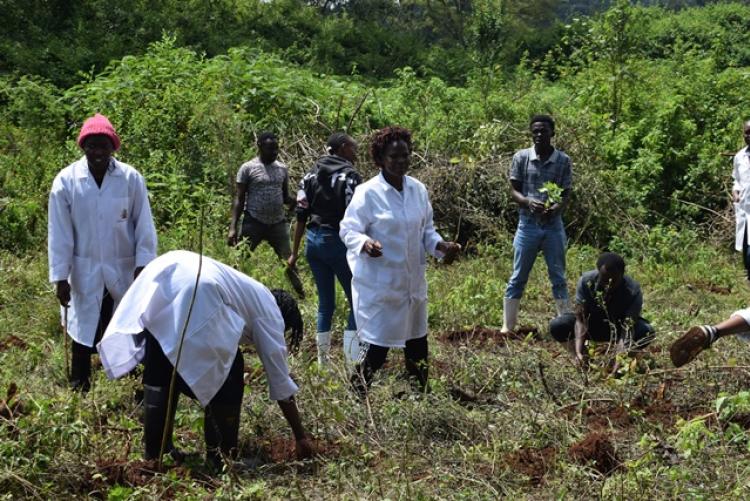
[746, 132]
[609, 280]
[541, 134]
[269, 150]
[98, 149]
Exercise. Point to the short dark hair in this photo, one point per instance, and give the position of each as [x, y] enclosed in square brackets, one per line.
[336, 141]
[384, 137]
[611, 261]
[543, 118]
[291, 315]
[265, 135]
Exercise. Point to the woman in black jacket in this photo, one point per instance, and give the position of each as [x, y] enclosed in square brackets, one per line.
[324, 193]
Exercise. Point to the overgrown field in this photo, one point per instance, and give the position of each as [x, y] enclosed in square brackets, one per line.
[506, 417]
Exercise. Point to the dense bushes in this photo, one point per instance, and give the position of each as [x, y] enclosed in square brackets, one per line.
[646, 135]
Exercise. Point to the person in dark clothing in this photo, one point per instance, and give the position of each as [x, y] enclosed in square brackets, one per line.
[608, 309]
[324, 193]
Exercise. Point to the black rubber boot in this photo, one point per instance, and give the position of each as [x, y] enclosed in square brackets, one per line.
[418, 371]
[80, 371]
[221, 428]
[155, 403]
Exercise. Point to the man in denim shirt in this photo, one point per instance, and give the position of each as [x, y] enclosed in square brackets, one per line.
[540, 225]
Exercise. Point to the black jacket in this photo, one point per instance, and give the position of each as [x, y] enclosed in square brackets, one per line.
[327, 189]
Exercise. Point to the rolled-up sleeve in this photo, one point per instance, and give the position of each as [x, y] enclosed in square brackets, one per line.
[431, 237]
[353, 226]
[145, 232]
[60, 238]
[268, 338]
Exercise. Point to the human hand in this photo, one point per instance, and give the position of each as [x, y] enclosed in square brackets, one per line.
[62, 291]
[736, 196]
[450, 251]
[372, 248]
[304, 448]
[552, 209]
[232, 237]
[535, 206]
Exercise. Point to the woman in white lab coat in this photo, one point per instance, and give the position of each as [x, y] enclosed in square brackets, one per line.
[100, 235]
[388, 231]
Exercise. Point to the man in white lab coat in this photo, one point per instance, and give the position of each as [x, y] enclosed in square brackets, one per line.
[100, 235]
[225, 309]
[741, 197]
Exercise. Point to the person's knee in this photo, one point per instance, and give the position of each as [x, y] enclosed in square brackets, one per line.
[561, 328]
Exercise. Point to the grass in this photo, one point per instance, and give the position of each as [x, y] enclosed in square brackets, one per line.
[505, 419]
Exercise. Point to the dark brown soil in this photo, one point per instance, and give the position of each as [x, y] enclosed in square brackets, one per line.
[596, 449]
[283, 449]
[534, 463]
[11, 342]
[12, 406]
[603, 415]
[484, 335]
[130, 473]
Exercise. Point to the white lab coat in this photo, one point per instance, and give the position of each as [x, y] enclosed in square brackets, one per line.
[741, 178]
[97, 237]
[229, 308]
[389, 292]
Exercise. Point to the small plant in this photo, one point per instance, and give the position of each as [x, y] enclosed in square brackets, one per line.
[554, 194]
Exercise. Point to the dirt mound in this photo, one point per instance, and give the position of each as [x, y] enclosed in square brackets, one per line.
[484, 335]
[603, 415]
[534, 463]
[596, 448]
[134, 473]
[12, 341]
[283, 449]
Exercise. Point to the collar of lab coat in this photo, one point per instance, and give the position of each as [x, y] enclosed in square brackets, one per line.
[387, 186]
[82, 168]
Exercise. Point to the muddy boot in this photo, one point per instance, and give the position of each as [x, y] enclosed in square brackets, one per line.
[418, 371]
[690, 344]
[80, 372]
[323, 341]
[562, 306]
[510, 314]
[351, 347]
[221, 426]
[155, 403]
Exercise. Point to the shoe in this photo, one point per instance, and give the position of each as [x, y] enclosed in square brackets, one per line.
[694, 341]
[351, 347]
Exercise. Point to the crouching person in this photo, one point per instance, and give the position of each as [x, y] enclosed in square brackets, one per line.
[608, 309]
[223, 308]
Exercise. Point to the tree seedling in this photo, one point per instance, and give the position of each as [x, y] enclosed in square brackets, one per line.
[554, 194]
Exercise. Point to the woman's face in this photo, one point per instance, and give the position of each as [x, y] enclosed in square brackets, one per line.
[396, 159]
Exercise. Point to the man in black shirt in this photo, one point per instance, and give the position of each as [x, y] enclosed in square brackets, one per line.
[608, 308]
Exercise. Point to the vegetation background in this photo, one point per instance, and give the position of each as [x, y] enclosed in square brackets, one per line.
[649, 102]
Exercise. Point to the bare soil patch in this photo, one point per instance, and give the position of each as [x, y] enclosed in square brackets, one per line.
[283, 449]
[531, 462]
[596, 449]
[13, 342]
[484, 335]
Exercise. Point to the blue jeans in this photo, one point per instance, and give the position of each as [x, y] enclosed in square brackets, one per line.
[531, 237]
[326, 255]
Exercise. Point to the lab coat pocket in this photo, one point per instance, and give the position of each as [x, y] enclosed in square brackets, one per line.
[124, 268]
[82, 276]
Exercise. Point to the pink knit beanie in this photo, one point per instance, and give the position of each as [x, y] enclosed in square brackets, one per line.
[98, 125]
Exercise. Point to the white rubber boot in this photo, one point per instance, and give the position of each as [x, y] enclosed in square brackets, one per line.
[323, 340]
[510, 314]
[351, 347]
[562, 305]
